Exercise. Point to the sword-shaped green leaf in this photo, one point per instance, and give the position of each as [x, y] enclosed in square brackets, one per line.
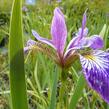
[17, 73]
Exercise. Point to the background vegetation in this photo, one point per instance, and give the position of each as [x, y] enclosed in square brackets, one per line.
[40, 69]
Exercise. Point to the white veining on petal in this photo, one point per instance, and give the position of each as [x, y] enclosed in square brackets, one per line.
[96, 70]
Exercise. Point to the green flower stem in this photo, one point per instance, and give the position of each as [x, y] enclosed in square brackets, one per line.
[62, 92]
[62, 95]
[17, 74]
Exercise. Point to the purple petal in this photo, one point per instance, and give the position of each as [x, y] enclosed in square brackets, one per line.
[83, 25]
[85, 32]
[96, 70]
[44, 40]
[72, 43]
[59, 31]
[59, 1]
[96, 42]
[26, 49]
[84, 21]
[75, 41]
[24, 9]
[29, 44]
[84, 43]
[80, 35]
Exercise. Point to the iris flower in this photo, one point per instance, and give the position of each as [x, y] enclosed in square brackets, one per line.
[95, 62]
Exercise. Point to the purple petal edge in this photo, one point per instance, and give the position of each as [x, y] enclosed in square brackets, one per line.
[44, 40]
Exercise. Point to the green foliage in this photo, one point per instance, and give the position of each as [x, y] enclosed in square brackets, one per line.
[54, 90]
[78, 92]
[17, 73]
[5, 5]
[40, 69]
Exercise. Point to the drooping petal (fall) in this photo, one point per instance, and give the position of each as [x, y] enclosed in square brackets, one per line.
[41, 47]
[44, 40]
[58, 31]
[96, 70]
[30, 43]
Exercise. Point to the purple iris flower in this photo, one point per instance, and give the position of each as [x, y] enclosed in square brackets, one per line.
[59, 1]
[95, 62]
[24, 9]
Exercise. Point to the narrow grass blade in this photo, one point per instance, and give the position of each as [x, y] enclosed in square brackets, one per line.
[17, 74]
[107, 39]
[36, 77]
[103, 31]
[78, 92]
[54, 90]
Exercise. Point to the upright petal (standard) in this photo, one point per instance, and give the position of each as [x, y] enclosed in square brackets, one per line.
[59, 31]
